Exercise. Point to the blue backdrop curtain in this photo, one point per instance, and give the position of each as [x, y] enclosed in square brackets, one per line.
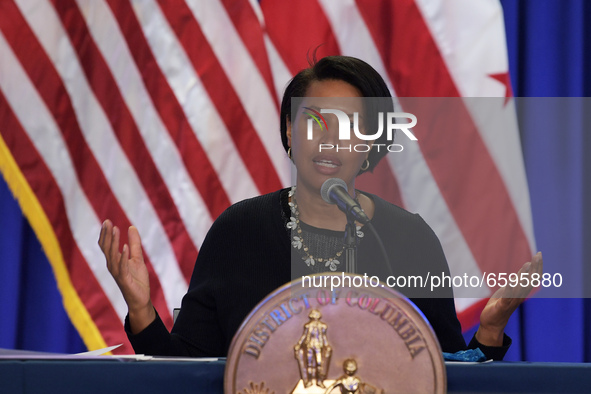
[549, 45]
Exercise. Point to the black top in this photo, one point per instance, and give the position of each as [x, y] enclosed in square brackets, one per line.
[246, 255]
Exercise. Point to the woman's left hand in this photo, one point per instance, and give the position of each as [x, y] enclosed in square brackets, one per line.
[502, 304]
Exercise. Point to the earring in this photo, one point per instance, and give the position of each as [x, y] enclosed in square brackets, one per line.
[289, 152]
[365, 165]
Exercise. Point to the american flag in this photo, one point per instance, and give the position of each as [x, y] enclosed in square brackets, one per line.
[162, 113]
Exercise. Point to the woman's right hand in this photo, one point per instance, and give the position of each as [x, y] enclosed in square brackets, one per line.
[130, 273]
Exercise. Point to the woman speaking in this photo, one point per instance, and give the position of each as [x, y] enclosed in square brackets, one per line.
[259, 244]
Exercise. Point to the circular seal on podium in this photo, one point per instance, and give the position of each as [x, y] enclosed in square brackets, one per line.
[310, 337]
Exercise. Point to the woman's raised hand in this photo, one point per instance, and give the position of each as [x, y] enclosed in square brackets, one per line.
[504, 302]
[130, 273]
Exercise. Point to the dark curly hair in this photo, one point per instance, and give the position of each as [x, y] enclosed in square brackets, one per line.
[355, 72]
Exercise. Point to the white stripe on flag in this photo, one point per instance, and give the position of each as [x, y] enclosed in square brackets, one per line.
[281, 74]
[470, 37]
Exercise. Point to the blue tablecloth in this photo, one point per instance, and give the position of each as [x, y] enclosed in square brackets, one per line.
[113, 376]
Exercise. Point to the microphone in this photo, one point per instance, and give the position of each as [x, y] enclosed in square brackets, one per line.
[334, 191]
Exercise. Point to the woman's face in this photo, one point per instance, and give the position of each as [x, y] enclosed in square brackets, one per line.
[314, 159]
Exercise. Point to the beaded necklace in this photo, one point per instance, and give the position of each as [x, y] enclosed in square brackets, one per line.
[299, 244]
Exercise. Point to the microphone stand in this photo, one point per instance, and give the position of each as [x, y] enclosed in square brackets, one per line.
[350, 245]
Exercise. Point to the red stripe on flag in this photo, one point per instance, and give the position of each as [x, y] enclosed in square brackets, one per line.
[107, 93]
[461, 164]
[171, 112]
[250, 30]
[298, 32]
[43, 184]
[412, 58]
[47, 82]
[222, 94]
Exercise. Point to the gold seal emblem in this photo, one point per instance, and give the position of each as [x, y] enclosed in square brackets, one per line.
[313, 351]
[318, 339]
